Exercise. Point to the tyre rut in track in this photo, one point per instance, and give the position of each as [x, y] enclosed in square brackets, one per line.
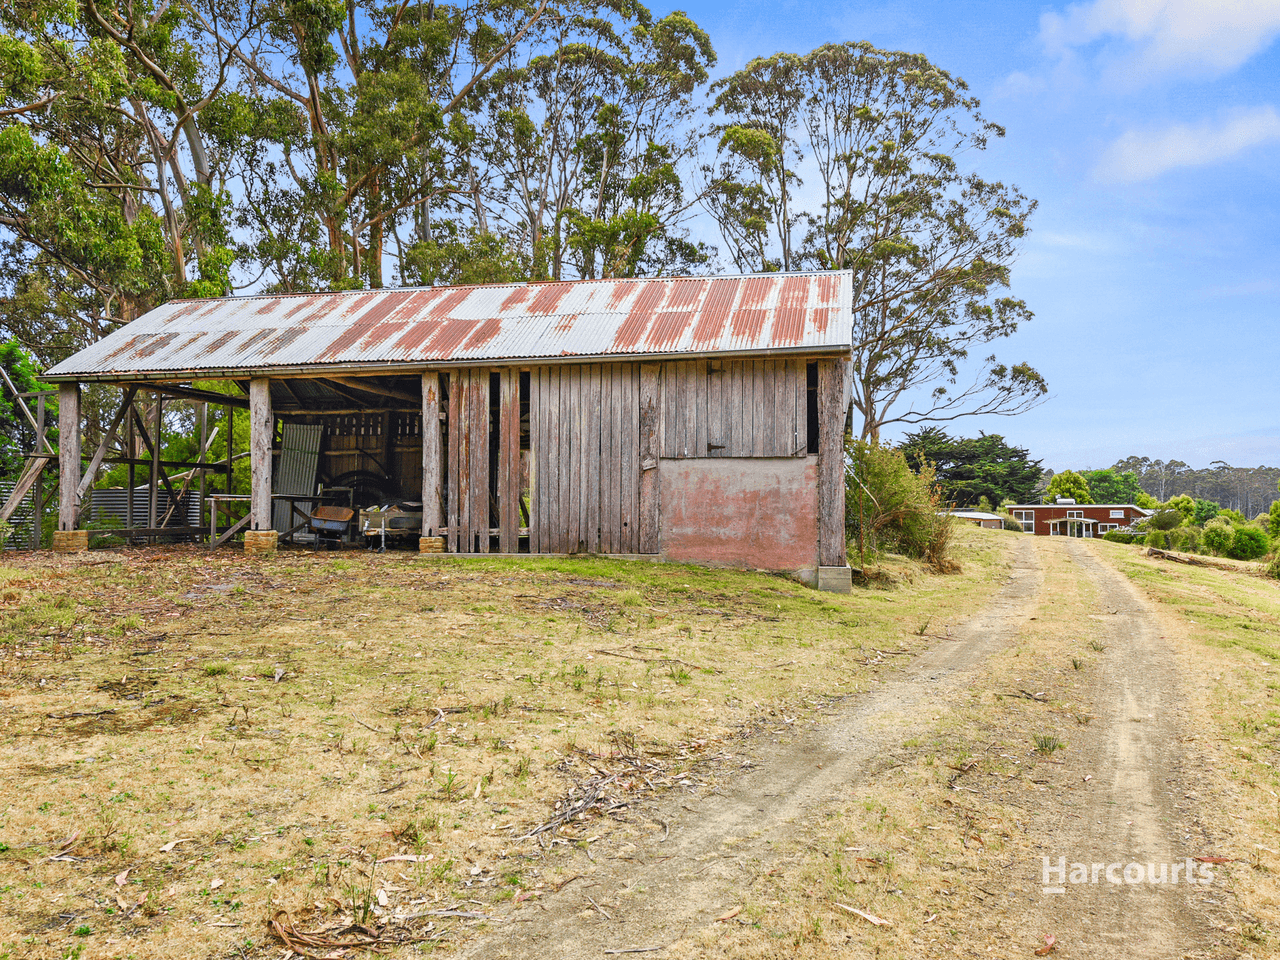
[715, 842]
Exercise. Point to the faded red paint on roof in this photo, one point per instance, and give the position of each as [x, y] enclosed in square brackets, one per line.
[748, 324]
[756, 291]
[221, 341]
[715, 313]
[445, 305]
[480, 324]
[449, 338]
[667, 328]
[155, 344]
[788, 324]
[631, 334]
[516, 297]
[485, 333]
[304, 303]
[417, 336]
[548, 298]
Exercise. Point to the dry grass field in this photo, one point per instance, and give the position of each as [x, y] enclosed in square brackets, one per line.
[208, 755]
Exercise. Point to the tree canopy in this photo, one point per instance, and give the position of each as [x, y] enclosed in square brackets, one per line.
[1069, 485]
[878, 133]
[1108, 486]
[971, 468]
[151, 150]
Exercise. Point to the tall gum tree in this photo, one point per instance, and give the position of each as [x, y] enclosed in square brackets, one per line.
[109, 202]
[930, 243]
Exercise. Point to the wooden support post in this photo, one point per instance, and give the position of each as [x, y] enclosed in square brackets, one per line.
[261, 434]
[432, 519]
[831, 503]
[153, 484]
[650, 399]
[132, 443]
[37, 495]
[68, 454]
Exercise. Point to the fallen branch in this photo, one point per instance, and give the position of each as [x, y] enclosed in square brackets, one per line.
[627, 656]
[1024, 695]
[869, 917]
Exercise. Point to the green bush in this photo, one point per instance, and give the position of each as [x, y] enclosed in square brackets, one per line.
[1165, 520]
[1184, 539]
[1273, 568]
[1122, 536]
[1249, 543]
[1206, 510]
[889, 506]
[1217, 536]
[1158, 539]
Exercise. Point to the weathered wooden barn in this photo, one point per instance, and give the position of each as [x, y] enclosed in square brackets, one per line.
[697, 419]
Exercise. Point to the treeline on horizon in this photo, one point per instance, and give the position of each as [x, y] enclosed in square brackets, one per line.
[986, 468]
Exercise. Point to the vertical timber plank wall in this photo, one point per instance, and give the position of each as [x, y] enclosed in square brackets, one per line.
[261, 433]
[650, 408]
[831, 504]
[458, 458]
[584, 422]
[509, 462]
[478, 431]
[68, 455]
[431, 466]
[734, 408]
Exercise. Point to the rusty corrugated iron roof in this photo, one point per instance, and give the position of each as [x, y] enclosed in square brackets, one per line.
[769, 313]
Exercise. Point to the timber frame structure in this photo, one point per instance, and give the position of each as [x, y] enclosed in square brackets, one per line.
[692, 419]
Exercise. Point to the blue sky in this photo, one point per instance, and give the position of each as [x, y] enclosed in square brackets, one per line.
[1149, 130]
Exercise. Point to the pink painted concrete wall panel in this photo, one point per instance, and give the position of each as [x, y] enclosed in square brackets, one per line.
[761, 514]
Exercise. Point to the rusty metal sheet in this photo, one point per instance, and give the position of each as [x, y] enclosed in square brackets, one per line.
[583, 319]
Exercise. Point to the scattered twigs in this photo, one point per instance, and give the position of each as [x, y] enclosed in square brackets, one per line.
[367, 726]
[319, 944]
[628, 656]
[603, 912]
[78, 713]
[1025, 695]
[635, 950]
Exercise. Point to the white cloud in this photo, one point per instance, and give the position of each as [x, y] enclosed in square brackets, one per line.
[1144, 155]
[1166, 35]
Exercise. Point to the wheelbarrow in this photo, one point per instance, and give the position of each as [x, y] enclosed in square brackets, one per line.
[329, 524]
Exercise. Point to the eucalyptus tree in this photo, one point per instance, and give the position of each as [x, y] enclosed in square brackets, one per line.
[584, 143]
[879, 137]
[108, 200]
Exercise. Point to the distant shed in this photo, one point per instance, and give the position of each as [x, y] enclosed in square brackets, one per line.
[698, 419]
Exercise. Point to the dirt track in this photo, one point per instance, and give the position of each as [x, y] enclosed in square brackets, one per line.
[1125, 792]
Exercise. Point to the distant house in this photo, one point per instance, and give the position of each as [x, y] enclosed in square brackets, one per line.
[989, 521]
[1066, 518]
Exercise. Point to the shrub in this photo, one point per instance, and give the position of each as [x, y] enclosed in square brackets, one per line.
[889, 505]
[1122, 536]
[1164, 520]
[1206, 510]
[1217, 536]
[1235, 516]
[1249, 543]
[1158, 539]
[1010, 523]
[1273, 568]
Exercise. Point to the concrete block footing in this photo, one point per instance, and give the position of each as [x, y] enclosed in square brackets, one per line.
[431, 544]
[835, 579]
